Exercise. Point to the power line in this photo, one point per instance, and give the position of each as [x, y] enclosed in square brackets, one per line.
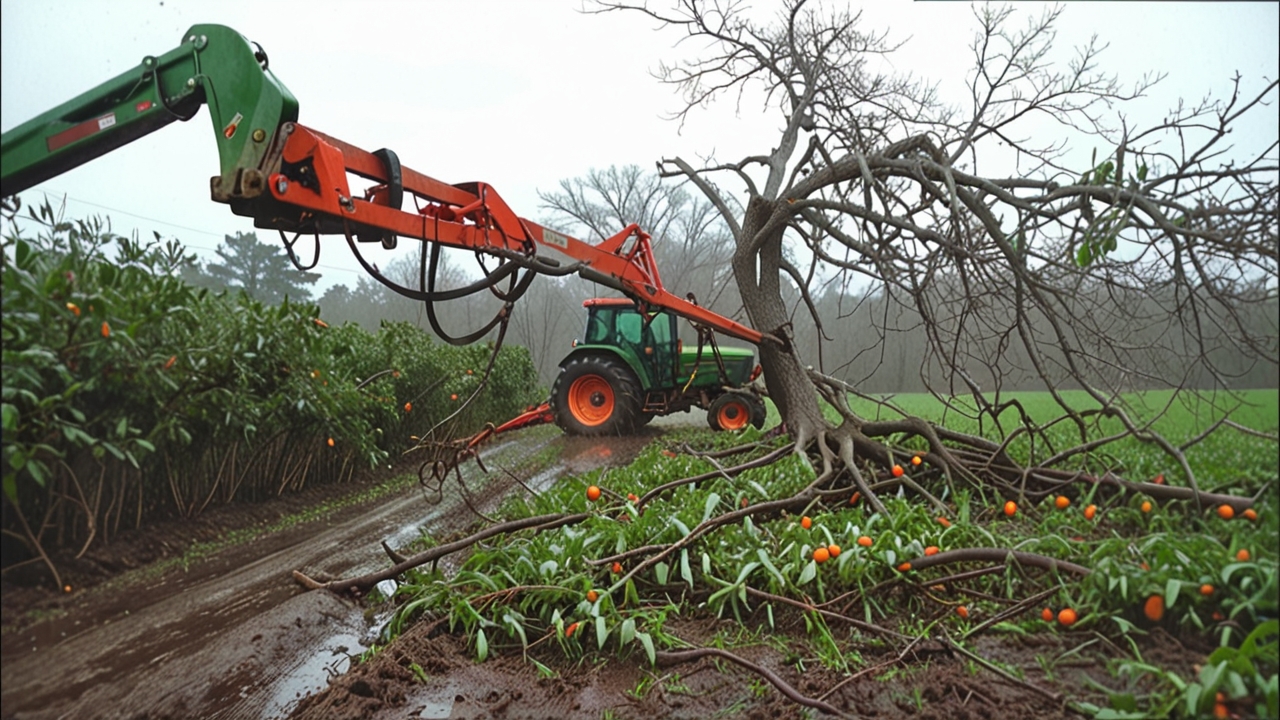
[175, 225]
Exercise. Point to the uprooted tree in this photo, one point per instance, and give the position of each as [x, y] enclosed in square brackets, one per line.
[1018, 260]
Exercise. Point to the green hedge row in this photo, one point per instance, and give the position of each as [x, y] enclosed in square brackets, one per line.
[127, 392]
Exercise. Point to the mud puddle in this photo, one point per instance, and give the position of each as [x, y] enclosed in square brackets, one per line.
[232, 636]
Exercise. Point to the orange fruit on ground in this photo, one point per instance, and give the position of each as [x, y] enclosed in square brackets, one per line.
[1047, 614]
[864, 541]
[1062, 502]
[1243, 555]
[805, 522]
[963, 612]
[834, 550]
[897, 471]
[593, 493]
[408, 407]
[568, 632]
[617, 568]
[1250, 514]
[944, 522]
[1067, 617]
[1090, 511]
[330, 442]
[592, 595]
[1226, 512]
[916, 460]
[1154, 608]
[931, 550]
[904, 567]
[1146, 506]
[1220, 711]
[1159, 479]
[632, 497]
[1206, 589]
[821, 555]
[1010, 508]
[854, 499]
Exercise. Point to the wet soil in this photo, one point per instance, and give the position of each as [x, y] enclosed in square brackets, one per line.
[230, 635]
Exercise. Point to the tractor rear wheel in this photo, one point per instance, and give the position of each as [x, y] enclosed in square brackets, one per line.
[596, 395]
[735, 411]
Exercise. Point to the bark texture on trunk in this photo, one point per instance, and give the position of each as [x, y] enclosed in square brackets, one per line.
[757, 264]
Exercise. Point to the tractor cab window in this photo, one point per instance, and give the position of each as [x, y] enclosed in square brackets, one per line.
[629, 326]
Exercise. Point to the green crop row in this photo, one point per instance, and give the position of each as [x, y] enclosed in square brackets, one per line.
[128, 392]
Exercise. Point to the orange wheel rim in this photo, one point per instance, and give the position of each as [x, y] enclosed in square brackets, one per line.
[591, 400]
[733, 416]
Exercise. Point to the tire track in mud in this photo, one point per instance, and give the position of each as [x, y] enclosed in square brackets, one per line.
[234, 636]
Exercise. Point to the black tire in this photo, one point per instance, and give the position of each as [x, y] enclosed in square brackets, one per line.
[733, 411]
[596, 395]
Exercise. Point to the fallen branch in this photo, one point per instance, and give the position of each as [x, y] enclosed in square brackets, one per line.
[997, 555]
[364, 582]
[673, 657]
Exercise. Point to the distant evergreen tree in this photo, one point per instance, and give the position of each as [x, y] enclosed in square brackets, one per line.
[263, 271]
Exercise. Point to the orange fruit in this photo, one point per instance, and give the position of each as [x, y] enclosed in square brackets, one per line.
[821, 555]
[1067, 617]
[744, 502]
[1219, 697]
[593, 493]
[1220, 711]
[944, 522]
[632, 497]
[931, 550]
[897, 471]
[592, 595]
[854, 500]
[1250, 514]
[864, 541]
[916, 460]
[106, 329]
[1226, 512]
[75, 309]
[834, 550]
[320, 323]
[904, 567]
[1090, 511]
[568, 632]
[1154, 608]
[470, 372]
[1243, 555]
[330, 442]
[1206, 589]
[1159, 479]
[1047, 614]
[617, 568]
[66, 588]
[1010, 508]
[454, 396]
[805, 522]
[1062, 502]
[1146, 506]
[1144, 566]
[169, 363]
[963, 612]
[408, 407]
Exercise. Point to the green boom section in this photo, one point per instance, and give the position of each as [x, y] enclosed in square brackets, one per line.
[213, 65]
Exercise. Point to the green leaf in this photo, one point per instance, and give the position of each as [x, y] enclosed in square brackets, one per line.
[1142, 172]
[809, 573]
[647, 642]
[628, 632]
[482, 645]
[660, 570]
[685, 571]
[602, 631]
[9, 416]
[712, 501]
[1084, 256]
[11, 487]
[1171, 588]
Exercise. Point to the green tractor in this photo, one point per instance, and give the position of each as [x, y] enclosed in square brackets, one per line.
[632, 367]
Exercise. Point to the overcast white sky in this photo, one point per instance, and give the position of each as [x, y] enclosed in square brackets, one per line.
[517, 94]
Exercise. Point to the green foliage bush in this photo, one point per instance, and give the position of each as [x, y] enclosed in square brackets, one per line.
[127, 391]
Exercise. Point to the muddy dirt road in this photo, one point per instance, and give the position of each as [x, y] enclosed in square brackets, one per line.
[232, 636]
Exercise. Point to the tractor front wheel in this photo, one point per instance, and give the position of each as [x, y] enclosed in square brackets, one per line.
[735, 411]
[596, 396]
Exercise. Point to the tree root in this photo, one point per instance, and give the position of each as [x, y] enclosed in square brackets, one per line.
[364, 582]
[674, 657]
